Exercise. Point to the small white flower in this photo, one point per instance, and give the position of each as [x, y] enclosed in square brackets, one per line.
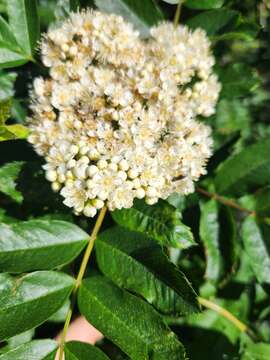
[75, 195]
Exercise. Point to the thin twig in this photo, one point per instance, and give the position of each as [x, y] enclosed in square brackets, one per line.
[177, 13]
[229, 316]
[225, 313]
[225, 201]
[79, 278]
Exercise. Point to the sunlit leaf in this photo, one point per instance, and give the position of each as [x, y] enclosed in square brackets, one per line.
[160, 221]
[36, 350]
[29, 300]
[257, 246]
[135, 262]
[24, 22]
[128, 321]
[39, 245]
[245, 171]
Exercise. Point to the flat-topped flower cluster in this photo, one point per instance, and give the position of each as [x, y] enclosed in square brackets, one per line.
[116, 119]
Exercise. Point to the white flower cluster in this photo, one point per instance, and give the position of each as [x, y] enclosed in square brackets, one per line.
[116, 118]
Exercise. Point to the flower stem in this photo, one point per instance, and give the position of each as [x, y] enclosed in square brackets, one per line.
[177, 13]
[79, 278]
[229, 316]
[226, 314]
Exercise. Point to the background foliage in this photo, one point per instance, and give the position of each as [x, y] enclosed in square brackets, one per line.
[136, 291]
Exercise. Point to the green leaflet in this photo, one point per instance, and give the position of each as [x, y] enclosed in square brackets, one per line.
[128, 321]
[214, 22]
[262, 202]
[75, 350]
[237, 80]
[258, 351]
[8, 174]
[60, 315]
[142, 14]
[223, 24]
[135, 262]
[36, 350]
[160, 221]
[218, 234]
[18, 340]
[24, 23]
[203, 4]
[9, 58]
[7, 80]
[18, 38]
[6, 34]
[209, 234]
[257, 246]
[29, 300]
[231, 116]
[10, 132]
[245, 171]
[39, 245]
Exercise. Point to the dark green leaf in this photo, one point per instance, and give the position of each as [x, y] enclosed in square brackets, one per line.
[18, 340]
[228, 241]
[222, 153]
[238, 80]
[29, 300]
[75, 350]
[7, 80]
[259, 351]
[160, 221]
[209, 234]
[245, 171]
[135, 262]
[178, 201]
[10, 58]
[34, 350]
[203, 4]
[6, 34]
[142, 14]
[231, 115]
[24, 22]
[215, 22]
[8, 176]
[244, 30]
[223, 24]
[257, 245]
[61, 314]
[218, 234]
[262, 202]
[11, 54]
[74, 5]
[18, 111]
[128, 321]
[39, 245]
